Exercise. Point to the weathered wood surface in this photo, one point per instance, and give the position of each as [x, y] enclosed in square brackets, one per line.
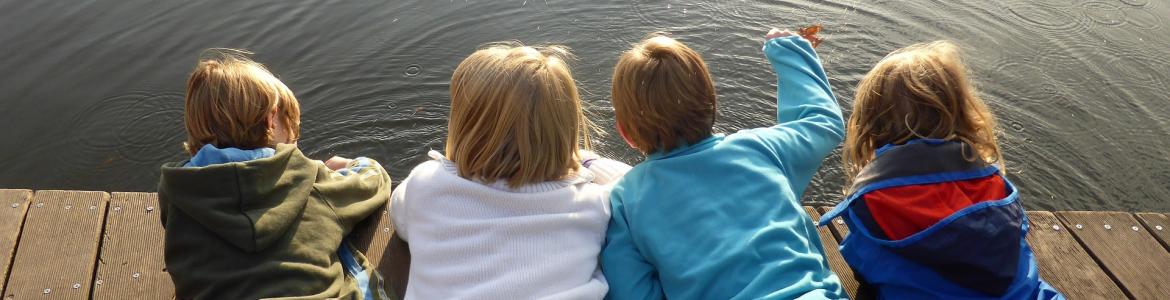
[1064, 264]
[1139, 264]
[849, 280]
[131, 262]
[82, 245]
[1158, 225]
[58, 246]
[13, 205]
[388, 254]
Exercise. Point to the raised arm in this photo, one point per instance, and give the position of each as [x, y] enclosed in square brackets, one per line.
[809, 120]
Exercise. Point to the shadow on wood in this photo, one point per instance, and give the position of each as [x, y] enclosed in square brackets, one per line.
[376, 238]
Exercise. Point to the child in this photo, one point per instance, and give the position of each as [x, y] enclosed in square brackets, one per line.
[713, 216]
[931, 214]
[249, 216]
[512, 210]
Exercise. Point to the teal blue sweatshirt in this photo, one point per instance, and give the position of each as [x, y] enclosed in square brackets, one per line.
[721, 218]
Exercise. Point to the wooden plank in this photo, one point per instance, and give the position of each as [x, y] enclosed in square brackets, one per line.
[1064, 264]
[840, 230]
[58, 246]
[386, 252]
[13, 205]
[1135, 260]
[1158, 225]
[849, 280]
[131, 264]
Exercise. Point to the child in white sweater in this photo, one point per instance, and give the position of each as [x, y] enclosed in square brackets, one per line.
[513, 210]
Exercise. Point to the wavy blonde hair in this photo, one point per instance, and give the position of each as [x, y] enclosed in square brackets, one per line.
[920, 91]
[228, 102]
[516, 115]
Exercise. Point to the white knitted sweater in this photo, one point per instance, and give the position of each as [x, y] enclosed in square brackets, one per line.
[474, 240]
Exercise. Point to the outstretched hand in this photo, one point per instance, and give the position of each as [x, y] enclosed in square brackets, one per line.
[777, 33]
[807, 33]
[337, 163]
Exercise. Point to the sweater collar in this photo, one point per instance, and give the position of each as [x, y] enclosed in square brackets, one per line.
[583, 175]
[686, 148]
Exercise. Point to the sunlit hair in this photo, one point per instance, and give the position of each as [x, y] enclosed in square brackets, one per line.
[663, 95]
[229, 98]
[516, 115]
[920, 91]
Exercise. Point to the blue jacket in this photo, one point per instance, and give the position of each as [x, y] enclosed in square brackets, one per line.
[973, 252]
[721, 218]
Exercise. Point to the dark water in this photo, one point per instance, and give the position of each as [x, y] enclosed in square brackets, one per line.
[91, 91]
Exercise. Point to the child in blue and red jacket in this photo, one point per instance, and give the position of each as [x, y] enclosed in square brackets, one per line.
[930, 212]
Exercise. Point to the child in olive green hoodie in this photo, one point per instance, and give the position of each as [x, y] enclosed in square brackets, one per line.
[249, 216]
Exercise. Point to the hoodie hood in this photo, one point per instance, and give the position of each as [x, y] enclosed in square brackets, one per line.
[250, 204]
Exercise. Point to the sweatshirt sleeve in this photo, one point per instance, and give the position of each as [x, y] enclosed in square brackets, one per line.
[809, 120]
[398, 209]
[605, 170]
[629, 275]
[360, 190]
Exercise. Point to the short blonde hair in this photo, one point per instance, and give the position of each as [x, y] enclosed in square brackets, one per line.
[920, 91]
[516, 115]
[229, 98]
[663, 95]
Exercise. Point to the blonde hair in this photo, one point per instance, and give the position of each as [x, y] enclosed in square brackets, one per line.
[663, 95]
[920, 91]
[229, 98]
[516, 115]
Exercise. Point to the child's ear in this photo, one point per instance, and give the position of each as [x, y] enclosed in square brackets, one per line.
[622, 133]
[279, 131]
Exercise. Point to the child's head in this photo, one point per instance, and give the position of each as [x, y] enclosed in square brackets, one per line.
[663, 95]
[919, 91]
[516, 115]
[233, 101]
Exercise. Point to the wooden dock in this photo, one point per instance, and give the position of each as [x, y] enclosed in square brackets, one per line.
[98, 245]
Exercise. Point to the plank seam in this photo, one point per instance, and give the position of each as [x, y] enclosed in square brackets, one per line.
[1096, 259]
[16, 243]
[105, 203]
[1149, 228]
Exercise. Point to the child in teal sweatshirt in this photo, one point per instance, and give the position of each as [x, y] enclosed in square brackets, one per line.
[713, 216]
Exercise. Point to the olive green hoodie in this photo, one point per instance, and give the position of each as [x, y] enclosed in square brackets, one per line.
[266, 228]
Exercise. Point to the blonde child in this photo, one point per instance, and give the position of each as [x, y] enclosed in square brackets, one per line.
[249, 216]
[713, 216]
[930, 212]
[512, 209]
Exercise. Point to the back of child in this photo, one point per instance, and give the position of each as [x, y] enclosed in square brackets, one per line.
[513, 209]
[930, 212]
[713, 216]
[249, 216]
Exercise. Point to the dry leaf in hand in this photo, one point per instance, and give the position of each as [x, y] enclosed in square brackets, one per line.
[810, 34]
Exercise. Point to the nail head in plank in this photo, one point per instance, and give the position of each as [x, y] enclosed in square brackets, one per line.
[58, 246]
[132, 264]
[13, 205]
[385, 251]
[849, 281]
[1134, 258]
[840, 230]
[1158, 225]
[1064, 264]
